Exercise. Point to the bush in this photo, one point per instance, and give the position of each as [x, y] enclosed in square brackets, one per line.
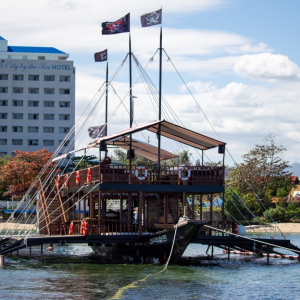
[279, 214]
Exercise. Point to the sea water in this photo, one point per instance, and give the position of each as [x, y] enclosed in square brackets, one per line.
[71, 272]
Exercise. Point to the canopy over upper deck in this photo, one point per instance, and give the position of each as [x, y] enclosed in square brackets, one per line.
[169, 130]
[142, 149]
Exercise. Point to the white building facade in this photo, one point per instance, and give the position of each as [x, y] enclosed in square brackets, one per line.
[37, 98]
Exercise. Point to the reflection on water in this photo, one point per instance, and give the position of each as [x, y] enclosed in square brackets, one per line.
[72, 273]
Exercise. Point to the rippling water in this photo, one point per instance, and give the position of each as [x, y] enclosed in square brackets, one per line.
[72, 273]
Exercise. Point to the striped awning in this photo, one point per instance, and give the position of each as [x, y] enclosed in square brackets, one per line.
[143, 149]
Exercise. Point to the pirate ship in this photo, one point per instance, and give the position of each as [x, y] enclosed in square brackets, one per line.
[128, 212]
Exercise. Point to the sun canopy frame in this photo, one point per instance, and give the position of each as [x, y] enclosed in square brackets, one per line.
[168, 130]
[142, 149]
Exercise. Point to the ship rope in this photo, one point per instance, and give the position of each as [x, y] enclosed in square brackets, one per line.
[251, 239]
[260, 201]
[10, 232]
[55, 167]
[154, 93]
[121, 290]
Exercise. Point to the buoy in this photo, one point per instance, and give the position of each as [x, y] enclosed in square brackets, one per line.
[235, 228]
[71, 228]
[88, 175]
[144, 169]
[77, 178]
[241, 230]
[181, 170]
[1, 260]
[85, 228]
[58, 181]
[67, 181]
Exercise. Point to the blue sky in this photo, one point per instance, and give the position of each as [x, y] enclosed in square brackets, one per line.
[239, 57]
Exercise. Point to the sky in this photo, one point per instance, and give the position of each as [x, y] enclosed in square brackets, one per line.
[239, 58]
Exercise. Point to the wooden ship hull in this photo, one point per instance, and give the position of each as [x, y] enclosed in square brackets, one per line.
[154, 248]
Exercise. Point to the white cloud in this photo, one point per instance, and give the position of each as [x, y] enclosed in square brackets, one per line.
[266, 66]
[250, 48]
[199, 87]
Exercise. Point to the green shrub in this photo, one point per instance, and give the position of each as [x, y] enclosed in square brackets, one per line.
[279, 214]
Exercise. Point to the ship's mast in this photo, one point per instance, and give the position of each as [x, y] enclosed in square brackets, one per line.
[159, 117]
[130, 101]
[106, 104]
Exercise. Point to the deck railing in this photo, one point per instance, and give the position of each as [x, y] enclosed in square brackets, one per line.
[198, 175]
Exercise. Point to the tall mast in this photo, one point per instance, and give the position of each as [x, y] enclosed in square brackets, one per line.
[159, 126]
[106, 103]
[130, 101]
[159, 105]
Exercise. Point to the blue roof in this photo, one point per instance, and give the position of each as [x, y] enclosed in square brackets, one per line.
[34, 49]
[2, 39]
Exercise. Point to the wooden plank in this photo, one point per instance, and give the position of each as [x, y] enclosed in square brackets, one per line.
[45, 207]
[61, 206]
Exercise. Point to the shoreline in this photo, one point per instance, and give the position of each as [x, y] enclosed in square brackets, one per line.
[284, 228]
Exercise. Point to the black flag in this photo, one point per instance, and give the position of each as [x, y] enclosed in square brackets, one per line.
[153, 18]
[97, 131]
[101, 56]
[120, 26]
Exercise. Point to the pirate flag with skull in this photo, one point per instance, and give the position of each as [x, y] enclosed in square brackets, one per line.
[119, 26]
[153, 18]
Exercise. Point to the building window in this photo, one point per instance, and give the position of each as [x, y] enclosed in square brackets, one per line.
[64, 91]
[48, 103]
[48, 129]
[41, 57]
[3, 153]
[64, 117]
[17, 103]
[48, 143]
[33, 142]
[3, 142]
[48, 78]
[64, 104]
[65, 143]
[64, 78]
[3, 77]
[3, 128]
[3, 102]
[17, 116]
[17, 142]
[3, 90]
[3, 116]
[33, 129]
[33, 103]
[33, 77]
[64, 129]
[48, 116]
[33, 91]
[33, 116]
[48, 91]
[17, 129]
[18, 90]
[18, 77]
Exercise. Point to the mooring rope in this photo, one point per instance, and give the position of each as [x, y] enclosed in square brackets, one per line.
[121, 290]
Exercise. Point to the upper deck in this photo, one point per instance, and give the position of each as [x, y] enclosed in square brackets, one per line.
[116, 178]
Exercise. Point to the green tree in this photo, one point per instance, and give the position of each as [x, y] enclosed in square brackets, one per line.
[263, 170]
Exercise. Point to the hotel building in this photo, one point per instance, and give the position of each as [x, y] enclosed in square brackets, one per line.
[37, 98]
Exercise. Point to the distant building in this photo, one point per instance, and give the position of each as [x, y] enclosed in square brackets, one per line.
[37, 97]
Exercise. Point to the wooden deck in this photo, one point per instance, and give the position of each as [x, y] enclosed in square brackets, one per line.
[199, 175]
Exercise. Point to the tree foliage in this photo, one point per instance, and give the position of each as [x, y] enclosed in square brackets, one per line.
[263, 169]
[18, 172]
